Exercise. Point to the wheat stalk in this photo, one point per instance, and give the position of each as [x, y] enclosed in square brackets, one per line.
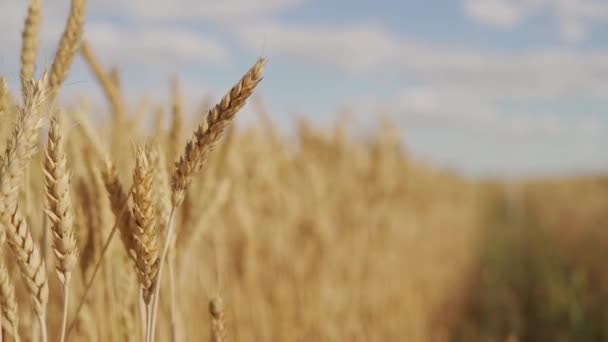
[120, 214]
[195, 155]
[108, 86]
[59, 211]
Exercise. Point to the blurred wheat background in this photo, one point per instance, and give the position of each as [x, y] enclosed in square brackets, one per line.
[165, 218]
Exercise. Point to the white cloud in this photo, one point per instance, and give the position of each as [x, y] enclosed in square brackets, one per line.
[226, 12]
[419, 99]
[154, 47]
[501, 13]
[372, 50]
[573, 17]
[160, 48]
[354, 48]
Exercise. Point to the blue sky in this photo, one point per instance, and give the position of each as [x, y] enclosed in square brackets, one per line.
[485, 87]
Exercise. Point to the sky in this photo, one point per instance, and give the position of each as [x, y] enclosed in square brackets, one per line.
[484, 87]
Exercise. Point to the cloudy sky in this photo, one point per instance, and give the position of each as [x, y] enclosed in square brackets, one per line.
[486, 87]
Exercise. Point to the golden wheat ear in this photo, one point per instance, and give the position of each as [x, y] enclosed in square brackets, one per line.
[58, 209]
[21, 146]
[211, 129]
[29, 43]
[146, 234]
[57, 179]
[68, 46]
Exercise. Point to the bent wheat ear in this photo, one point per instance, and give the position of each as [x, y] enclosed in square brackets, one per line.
[210, 131]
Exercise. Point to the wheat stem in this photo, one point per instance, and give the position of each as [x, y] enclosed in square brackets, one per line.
[64, 316]
[173, 310]
[106, 245]
[43, 332]
[163, 256]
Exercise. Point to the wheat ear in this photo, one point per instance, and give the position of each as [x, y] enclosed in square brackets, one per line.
[68, 45]
[59, 211]
[144, 215]
[29, 43]
[21, 145]
[145, 235]
[218, 326]
[211, 129]
[8, 301]
[20, 148]
[31, 265]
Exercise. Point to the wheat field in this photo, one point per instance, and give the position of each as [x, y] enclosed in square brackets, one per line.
[174, 226]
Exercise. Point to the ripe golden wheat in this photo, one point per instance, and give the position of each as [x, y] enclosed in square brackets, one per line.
[267, 238]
